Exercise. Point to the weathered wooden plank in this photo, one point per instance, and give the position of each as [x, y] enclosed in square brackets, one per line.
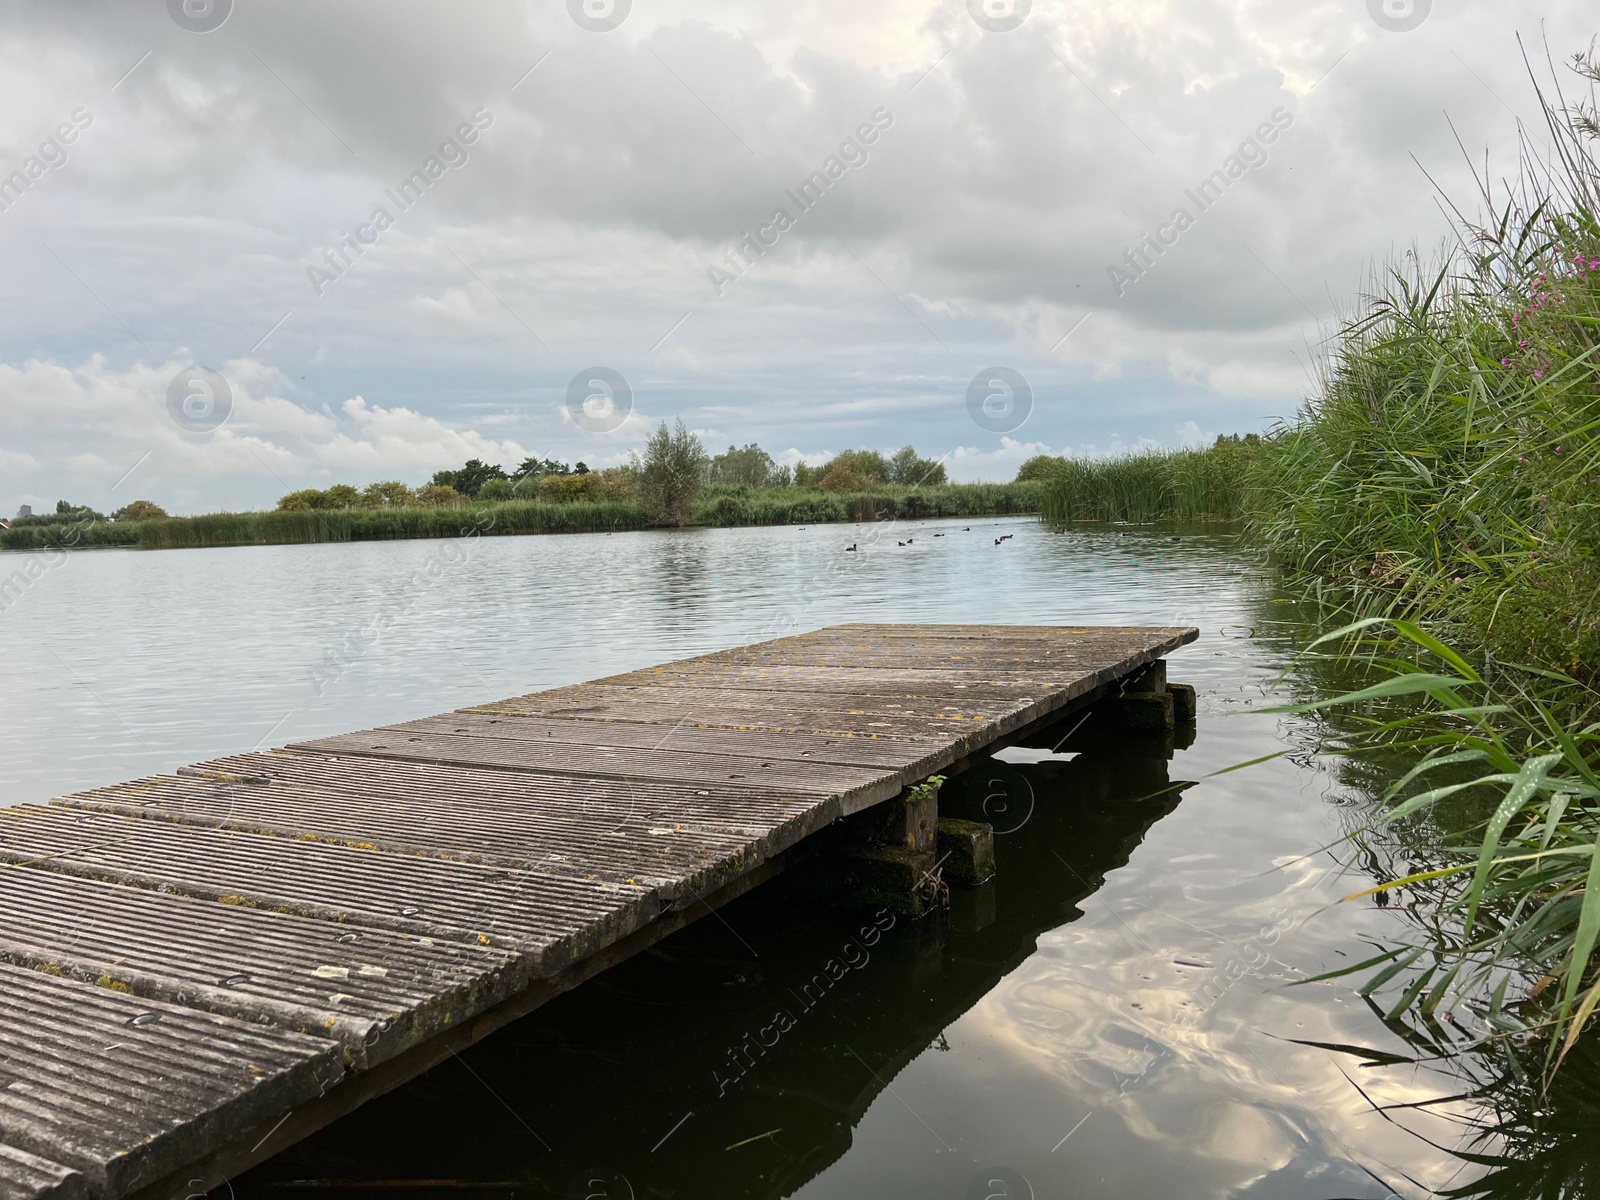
[25, 1176]
[923, 643]
[798, 749]
[631, 842]
[897, 718]
[915, 713]
[373, 991]
[124, 1089]
[450, 901]
[851, 784]
[909, 652]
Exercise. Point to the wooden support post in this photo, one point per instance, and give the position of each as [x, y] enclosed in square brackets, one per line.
[1183, 702]
[966, 852]
[1152, 677]
[1143, 712]
[884, 857]
[1147, 703]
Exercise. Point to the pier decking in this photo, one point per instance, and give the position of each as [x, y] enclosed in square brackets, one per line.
[198, 969]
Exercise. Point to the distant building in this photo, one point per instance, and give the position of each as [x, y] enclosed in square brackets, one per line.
[25, 511]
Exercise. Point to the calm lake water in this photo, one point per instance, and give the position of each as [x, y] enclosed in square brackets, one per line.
[1112, 1017]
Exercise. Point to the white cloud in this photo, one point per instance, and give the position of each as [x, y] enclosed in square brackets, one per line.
[122, 416]
[971, 464]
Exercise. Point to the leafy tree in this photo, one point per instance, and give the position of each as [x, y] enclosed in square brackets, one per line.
[907, 469]
[868, 465]
[806, 476]
[748, 465]
[496, 490]
[78, 512]
[301, 501]
[841, 478]
[139, 510]
[438, 495]
[390, 493]
[580, 469]
[672, 474]
[470, 477]
[527, 488]
[340, 495]
[541, 466]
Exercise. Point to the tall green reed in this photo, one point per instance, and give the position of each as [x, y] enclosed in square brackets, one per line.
[1504, 888]
[1151, 485]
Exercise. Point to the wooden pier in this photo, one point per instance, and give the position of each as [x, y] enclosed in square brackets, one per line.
[199, 969]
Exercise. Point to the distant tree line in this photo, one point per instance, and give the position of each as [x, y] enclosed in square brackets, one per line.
[666, 479]
[847, 471]
[68, 513]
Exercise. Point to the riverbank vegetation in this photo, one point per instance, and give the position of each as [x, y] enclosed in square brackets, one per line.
[1440, 496]
[674, 483]
[1443, 488]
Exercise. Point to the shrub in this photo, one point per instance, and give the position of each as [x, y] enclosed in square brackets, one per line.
[496, 490]
[615, 484]
[526, 488]
[438, 495]
[566, 489]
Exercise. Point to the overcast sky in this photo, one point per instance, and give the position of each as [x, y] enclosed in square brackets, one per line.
[205, 195]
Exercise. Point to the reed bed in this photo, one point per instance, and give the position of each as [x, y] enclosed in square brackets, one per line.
[1495, 811]
[1449, 467]
[733, 505]
[333, 525]
[1443, 489]
[1149, 486]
